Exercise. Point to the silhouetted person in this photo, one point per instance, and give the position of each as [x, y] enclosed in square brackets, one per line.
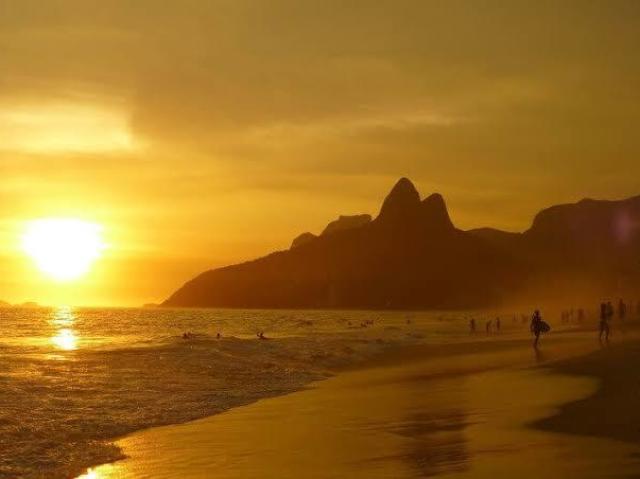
[604, 321]
[609, 310]
[537, 327]
[472, 326]
[261, 335]
[487, 327]
[580, 315]
[498, 325]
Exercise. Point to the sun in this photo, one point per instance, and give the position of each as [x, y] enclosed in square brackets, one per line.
[63, 248]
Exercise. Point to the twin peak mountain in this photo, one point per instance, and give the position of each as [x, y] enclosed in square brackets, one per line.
[401, 207]
[411, 256]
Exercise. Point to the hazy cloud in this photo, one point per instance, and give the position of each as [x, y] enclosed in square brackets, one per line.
[218, 119]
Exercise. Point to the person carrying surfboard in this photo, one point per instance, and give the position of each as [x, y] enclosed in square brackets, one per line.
[538, 326]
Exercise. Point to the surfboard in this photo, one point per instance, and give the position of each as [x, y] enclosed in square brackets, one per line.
[544, 327]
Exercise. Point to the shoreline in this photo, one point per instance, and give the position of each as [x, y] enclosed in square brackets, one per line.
[447, 361]
[613, 411]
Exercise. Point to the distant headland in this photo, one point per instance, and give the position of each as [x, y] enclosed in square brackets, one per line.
[411, 256]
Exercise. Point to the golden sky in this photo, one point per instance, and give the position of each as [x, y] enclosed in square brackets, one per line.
[201, 133]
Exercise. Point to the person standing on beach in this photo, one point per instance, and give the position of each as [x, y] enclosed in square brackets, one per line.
[536, 327]
[498, 324]
[472, 326]
[604, 322]
[487, 327]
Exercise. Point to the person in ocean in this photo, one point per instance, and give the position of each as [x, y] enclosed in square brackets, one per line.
[537, 327]
[604, 321]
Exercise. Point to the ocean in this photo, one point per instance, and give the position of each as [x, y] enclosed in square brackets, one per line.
[72, 380]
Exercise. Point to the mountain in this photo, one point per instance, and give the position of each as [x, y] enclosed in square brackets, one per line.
[411, 256]
[302, 239]
[30, 305]
[495, 236]
[346, 223]
[341, 224]
[589, 235]
[586, 249]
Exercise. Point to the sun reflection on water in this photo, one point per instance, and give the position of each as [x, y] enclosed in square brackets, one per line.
[63, 316]
[65, 337]
[90, 474]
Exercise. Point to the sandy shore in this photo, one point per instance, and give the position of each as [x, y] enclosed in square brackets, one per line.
[614, 410]
[481, 408]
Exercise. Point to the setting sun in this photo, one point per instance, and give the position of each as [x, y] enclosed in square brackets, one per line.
[63, 248]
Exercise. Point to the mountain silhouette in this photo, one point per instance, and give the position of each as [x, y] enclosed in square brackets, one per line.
[302, 239]
[346, 223]
[411, 256]
[342, 223]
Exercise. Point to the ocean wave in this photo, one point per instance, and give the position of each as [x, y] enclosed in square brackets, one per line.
[58, 415]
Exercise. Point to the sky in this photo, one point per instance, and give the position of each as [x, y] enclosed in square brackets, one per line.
[205, 133]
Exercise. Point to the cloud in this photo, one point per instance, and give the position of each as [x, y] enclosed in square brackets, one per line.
[204, 122]
[53, 128]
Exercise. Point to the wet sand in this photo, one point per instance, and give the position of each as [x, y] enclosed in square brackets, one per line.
[465, 411]
[614, 410]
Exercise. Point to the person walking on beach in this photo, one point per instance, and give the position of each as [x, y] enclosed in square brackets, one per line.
[538, 326]
[604, 322]
[487, 327]
[498, 324]
[472, 326]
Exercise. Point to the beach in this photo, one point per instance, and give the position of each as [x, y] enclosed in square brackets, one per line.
[76, 379]
[613, 411]
[480, 408]
[120, 393]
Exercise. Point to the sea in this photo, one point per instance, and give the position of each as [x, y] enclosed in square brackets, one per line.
[74, 379]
